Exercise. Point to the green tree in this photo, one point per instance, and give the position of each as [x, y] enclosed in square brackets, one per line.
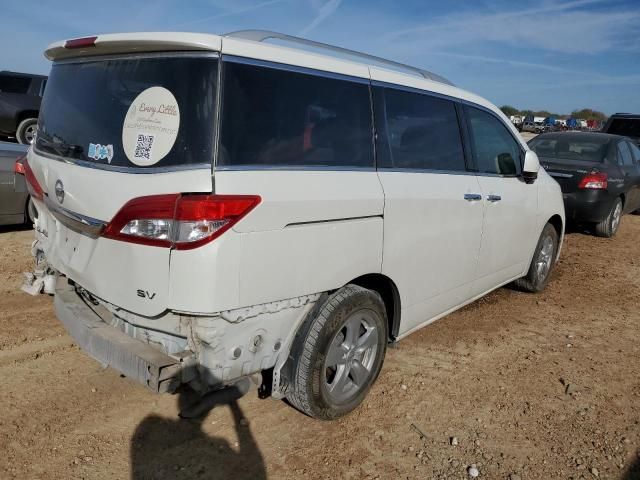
[588, 114]
[508, 110]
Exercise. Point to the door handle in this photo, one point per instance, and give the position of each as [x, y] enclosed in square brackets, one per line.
[470, 197]
[494, 198]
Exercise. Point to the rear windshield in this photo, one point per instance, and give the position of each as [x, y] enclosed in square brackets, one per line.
[628, 127]
[570, 148]
[144, 112]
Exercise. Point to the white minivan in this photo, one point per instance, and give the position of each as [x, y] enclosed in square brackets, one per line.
[214, 207]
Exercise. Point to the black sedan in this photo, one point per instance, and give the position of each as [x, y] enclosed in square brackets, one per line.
[599, 175]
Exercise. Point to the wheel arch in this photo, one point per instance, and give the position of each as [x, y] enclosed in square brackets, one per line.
[556, 221]
[388, 290]
[24, 114]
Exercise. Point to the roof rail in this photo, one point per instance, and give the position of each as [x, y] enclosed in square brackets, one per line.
[262, 35]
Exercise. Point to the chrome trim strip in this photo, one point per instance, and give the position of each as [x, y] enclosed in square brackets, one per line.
[294, 168]
[294, 68]
[114, 168]
[558, 174]
[331, 220]
[90, 227]
[425, 170]
[138, 55]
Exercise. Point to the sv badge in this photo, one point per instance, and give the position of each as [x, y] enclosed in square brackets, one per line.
[145, 294]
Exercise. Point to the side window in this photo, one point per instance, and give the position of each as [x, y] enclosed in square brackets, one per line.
[273, 117]
[635, 152]
[417, 131]
[624, 154]
[14, 84]
[495, 149]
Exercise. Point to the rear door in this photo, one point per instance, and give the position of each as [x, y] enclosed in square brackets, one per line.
[113, 129]
[433, 206]
[631, 175]
[510, 205]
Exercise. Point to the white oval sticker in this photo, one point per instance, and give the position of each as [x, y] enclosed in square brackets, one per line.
[151, 126]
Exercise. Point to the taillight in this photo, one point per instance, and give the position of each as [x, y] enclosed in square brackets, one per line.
[35, 190]
[18, 167]
[594, 181]
[81, 42]
[177, 220]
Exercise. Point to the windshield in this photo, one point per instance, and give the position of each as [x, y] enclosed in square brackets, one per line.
[628, 127]
[570, 148]
[152, 111]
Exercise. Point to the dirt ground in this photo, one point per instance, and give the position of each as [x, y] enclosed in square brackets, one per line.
[531, 386]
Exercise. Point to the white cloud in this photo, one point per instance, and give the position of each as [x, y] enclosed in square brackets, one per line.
[237, 11]
[553, 27]
[324, 12]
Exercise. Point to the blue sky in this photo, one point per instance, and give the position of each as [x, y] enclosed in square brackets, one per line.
[544, 54]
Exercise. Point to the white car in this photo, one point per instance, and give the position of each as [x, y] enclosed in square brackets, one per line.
[213, 207]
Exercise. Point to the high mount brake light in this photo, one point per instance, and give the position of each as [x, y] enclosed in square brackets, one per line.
[594, 181]
[35, 190]
[177, 220]
[81, 42]
[18, 167]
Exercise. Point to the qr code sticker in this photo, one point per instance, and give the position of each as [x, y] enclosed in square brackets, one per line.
[144, 145]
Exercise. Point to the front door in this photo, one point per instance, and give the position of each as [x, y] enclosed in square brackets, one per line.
[510, 205]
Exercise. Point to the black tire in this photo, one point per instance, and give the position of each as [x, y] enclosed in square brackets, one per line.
[30, 213]
[609, 226]
[26, 131]
[534, 281]
[309, 391]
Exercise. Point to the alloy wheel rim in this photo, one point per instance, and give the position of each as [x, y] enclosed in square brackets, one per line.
[30, 133]
[351, 357]
[615, 220]
[545, 258]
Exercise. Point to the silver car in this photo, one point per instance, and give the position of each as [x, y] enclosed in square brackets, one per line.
[15, 204]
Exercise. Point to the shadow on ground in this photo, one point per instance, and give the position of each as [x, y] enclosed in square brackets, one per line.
[164, 448]
[634, 472]
[20, 227]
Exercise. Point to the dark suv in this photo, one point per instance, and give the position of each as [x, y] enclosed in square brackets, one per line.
[20, 96]
[625, 124]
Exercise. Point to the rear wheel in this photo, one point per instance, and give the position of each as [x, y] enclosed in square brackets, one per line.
[539, 272]
[609, 226]
[340, 355]
[26, 131]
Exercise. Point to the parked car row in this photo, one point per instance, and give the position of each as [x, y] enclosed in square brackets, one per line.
[599, 175]
[216, 207]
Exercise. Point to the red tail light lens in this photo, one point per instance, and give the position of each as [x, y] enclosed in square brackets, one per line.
[81, 42]
[178, 221]
[594, 181]
[35, 190]
[18, 168]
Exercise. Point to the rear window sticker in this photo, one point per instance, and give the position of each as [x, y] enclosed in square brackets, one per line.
[151, 126]
[100, 152]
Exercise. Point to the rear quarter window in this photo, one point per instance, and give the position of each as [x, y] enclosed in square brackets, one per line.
[273, 117]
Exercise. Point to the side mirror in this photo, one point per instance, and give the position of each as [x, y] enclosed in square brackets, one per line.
[531, 166]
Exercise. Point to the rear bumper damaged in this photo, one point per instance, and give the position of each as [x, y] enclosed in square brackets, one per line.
[206, 352]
